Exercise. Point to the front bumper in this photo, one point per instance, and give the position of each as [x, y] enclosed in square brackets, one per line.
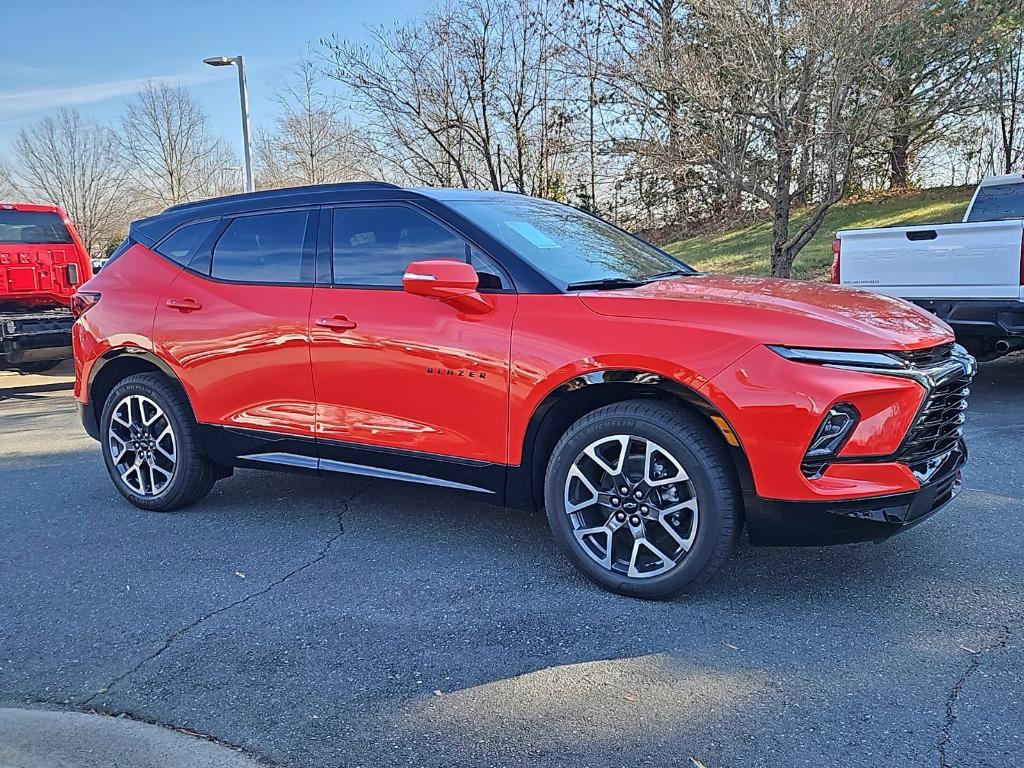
[788, 523]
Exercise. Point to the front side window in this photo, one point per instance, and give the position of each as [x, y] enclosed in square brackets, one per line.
[179, 246]
[564, 243]
[265, 248]
[33, 228]
[374, 244]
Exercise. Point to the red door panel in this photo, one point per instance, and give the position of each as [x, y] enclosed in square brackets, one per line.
[242, 351]
[401, 371]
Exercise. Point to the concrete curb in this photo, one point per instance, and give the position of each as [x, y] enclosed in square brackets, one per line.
[34, 738]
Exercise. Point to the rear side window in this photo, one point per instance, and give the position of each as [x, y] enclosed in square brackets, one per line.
[32, 228]
[183, 242]
[1003, 201]
[374, 244]
[266, 248]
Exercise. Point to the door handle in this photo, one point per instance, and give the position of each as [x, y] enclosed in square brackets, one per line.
[184, 305]
[336, 323]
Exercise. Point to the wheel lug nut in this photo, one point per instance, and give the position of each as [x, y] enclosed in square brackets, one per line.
[635, 520]
[623, 490]
[620, 516]
[639, 494]
[644, 509]
[615, 501]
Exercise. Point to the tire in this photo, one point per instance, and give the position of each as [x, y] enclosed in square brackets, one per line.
[693, 542]
[180, 474]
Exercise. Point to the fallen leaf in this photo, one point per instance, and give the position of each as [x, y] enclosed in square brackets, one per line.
[438, 693]
[239, 574]
[631, 697]
[735, 648]
[969, 650]
[697, 763]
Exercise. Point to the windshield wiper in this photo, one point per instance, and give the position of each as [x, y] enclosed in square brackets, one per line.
[604, 282]
[669, 273]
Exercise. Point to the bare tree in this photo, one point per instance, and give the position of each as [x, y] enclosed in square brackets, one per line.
[783, 94]
[65, 160]
[1009, 88]
[309, 141]
[167, 148]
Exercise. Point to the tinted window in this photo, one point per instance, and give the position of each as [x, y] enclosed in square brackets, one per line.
[564, 243]
[1003, 201]
[262, 249]
[180, 246]
[32, 227]
[374, 244]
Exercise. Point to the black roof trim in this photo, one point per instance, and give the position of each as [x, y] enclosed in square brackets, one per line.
[151, 230]
[281, 194]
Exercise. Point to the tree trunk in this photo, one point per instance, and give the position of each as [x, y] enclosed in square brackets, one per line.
[899, 160]
[782, 256]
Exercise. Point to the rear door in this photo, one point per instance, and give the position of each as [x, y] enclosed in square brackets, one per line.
[976, 260]
[235, 323]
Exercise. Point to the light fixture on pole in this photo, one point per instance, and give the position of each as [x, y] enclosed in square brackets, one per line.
[243, 95]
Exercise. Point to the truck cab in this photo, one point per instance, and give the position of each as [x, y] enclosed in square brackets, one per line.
[969, 274]
[42, 263]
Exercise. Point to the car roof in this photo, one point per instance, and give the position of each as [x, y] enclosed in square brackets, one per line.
[32, 207]
[1009, 178]
[153, 229]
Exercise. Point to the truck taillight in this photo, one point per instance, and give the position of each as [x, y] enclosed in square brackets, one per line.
[82, 302]
[836, 246]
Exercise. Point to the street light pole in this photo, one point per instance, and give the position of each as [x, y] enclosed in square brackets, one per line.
[243, 96]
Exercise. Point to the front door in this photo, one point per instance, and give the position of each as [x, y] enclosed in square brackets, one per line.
[421, 386]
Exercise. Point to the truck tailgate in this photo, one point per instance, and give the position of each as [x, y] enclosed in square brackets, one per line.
[975, 260]
[39, 273]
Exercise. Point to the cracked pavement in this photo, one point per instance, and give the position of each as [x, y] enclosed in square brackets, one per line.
[436, 630]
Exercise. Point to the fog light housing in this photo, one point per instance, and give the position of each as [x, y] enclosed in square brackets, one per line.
[835, 430]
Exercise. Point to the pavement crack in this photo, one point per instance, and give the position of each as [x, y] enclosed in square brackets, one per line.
[183, 631]
[953, 697]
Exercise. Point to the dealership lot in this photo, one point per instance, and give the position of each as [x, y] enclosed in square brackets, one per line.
[346, 622]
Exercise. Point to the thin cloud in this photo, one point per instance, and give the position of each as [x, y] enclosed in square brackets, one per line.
[17, 105]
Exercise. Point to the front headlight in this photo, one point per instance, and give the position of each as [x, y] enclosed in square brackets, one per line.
[841, 358]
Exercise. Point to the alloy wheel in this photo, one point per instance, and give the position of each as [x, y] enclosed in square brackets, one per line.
[631, 505]
[142, 445]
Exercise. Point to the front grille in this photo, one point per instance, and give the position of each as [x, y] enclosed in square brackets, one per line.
[939, 426]
[931, 356]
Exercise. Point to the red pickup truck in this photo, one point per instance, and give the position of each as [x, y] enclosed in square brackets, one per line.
[42, 262]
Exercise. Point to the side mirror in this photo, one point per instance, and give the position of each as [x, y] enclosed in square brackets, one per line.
[453, 282]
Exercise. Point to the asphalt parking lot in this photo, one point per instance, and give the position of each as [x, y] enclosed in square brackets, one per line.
[341, 622]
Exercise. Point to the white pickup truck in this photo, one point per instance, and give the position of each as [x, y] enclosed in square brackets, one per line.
[971, 274]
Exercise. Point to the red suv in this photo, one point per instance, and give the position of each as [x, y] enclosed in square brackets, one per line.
[525, 351]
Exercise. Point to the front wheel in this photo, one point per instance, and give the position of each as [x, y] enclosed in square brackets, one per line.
[642, 498]
[151, 446]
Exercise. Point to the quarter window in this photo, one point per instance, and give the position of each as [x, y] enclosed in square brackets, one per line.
[266, 248]
[180, 246]
[374, 244]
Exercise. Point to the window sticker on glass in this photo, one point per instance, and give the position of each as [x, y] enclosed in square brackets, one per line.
[534, 235]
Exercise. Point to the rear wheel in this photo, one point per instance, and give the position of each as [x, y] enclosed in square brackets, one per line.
[642, 498]
[151, 445]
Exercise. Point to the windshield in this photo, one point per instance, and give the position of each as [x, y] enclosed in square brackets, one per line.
[32, 227]
[567, 245]
[998, 202]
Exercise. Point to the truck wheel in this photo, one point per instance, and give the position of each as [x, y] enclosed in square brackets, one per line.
[642, 498]
[151, 445]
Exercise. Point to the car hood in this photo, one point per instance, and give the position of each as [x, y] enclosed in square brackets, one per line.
[775, 311]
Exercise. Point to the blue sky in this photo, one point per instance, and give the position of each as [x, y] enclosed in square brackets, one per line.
[93, 54]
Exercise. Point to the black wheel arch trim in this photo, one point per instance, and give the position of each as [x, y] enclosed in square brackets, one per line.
[122, 353]
[523, 485]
